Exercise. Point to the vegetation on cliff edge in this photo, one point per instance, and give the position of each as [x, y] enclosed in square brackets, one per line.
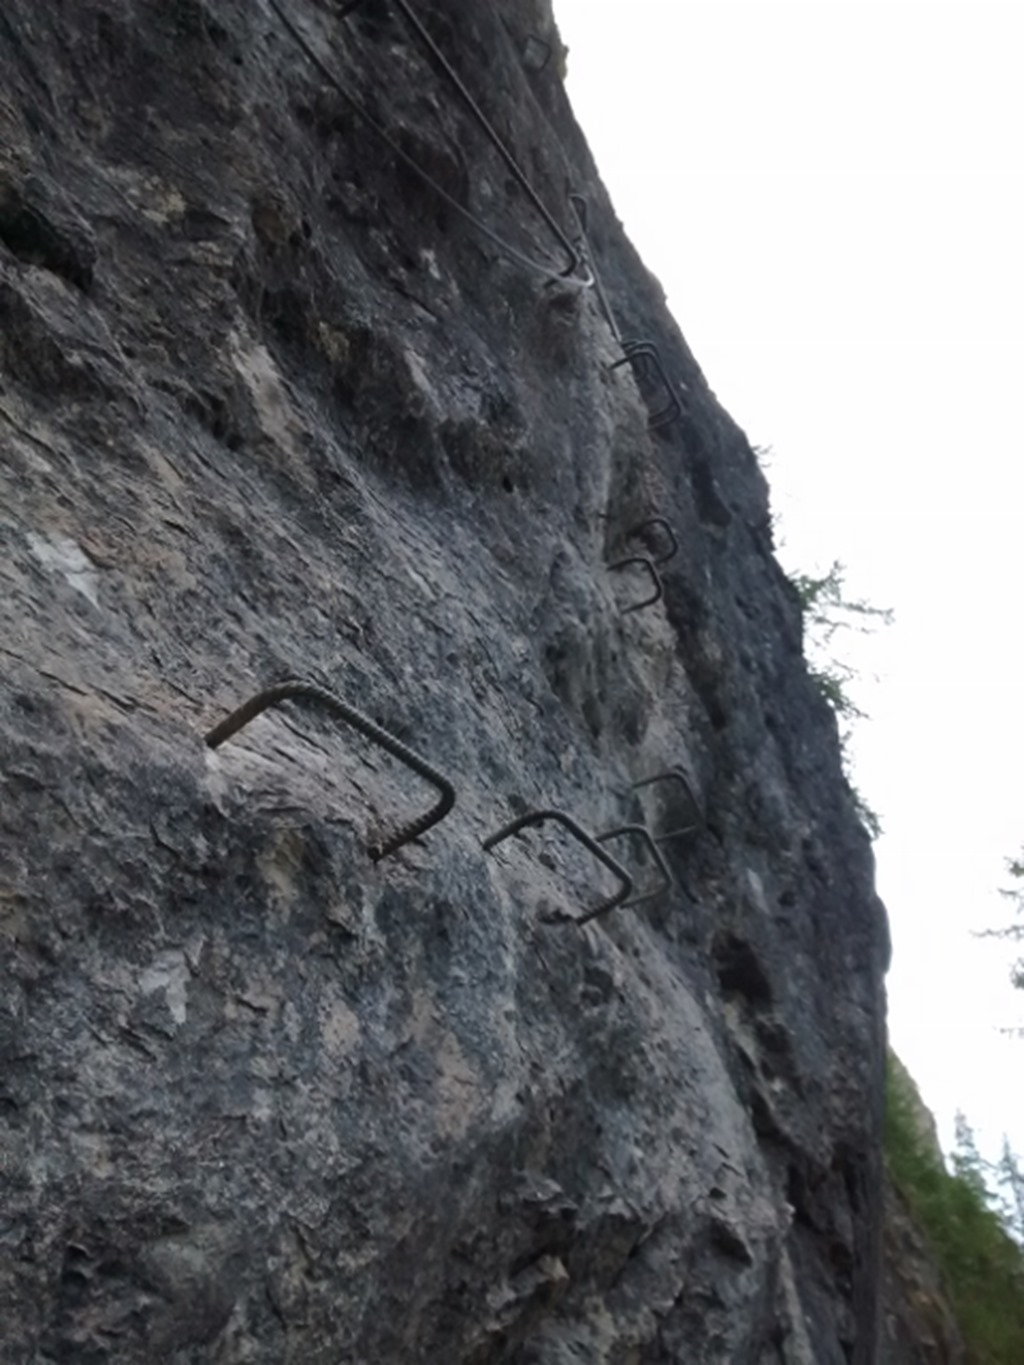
[827, 610]
[1014, 932]
[982, 1265]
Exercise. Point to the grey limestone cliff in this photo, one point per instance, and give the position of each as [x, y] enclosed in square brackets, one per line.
[273, 406]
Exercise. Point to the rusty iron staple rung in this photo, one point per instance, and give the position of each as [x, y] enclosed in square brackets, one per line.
[580, 208]
[675, 775]
[296, 689]
[648, 564]
[518, 174]
[661, 522]
[538, 817]
[643, 833]
[638, 354]
[513, 253]
[536, 41]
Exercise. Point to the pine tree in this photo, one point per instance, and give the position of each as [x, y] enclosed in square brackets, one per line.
[1010, 1181]
[966, 1160]
[1013, 932]
[826, 611]
[981, 1260]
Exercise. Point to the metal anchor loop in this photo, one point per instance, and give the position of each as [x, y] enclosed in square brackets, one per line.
[643, 833]
[679, 777]
[579, 205]
[538, 817]
[641, 356]
[661, 524]
[296, 689]
[648, 564]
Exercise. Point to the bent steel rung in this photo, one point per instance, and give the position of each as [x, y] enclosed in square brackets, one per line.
[643, 833]
[678, 776]
[534, 43]
[636, 353]
[538, 817]
[644, 355]
[298, 690]
[648, 564]
[663, 524]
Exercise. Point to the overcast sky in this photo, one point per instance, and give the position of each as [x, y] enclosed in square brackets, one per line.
[832, 195]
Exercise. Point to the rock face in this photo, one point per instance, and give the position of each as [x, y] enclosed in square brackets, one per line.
[272, 406]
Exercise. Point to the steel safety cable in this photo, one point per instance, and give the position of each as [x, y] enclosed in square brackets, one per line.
[506, 247]
[518, 173]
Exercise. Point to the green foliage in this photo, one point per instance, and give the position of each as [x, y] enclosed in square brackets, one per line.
[1013, 932]
[983, 1267]
[826, 606]
[828, 611]
[1010, 1181]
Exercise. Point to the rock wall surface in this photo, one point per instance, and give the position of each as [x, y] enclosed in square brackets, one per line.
[271, 406]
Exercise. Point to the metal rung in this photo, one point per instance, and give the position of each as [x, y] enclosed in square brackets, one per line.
[643, 833]
[664, 525]
[297, 690]
[648, 564]
[538, 817]
[678, 776]
[638, 354]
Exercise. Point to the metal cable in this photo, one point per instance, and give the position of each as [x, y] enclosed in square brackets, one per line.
[580, 208]
[512, 252]
[509, 160]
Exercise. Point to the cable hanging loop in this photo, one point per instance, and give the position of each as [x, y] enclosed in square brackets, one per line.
[581, 209]
[638, 354]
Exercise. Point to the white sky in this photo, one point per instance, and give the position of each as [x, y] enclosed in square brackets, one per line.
[832, 195]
